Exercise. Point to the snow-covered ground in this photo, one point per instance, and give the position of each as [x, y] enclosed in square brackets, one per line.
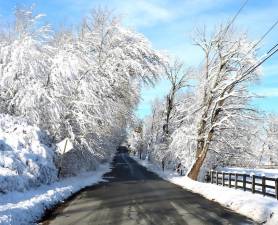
[28, 175]
[25, 208]
[26, 155]
[259, 208]
[272, 173]
[259, 172]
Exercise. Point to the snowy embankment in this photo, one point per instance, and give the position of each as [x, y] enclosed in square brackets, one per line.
[25, 208]
[26, 156]
[259, 208]
[28, 176]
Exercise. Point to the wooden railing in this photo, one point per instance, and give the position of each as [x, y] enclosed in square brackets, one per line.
[266, 186]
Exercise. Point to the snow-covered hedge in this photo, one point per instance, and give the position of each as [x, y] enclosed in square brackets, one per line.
[26, 155]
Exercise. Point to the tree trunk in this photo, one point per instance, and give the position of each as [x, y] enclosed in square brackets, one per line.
[169, 106]
[202, 150]
[202, 145]
[195, 169]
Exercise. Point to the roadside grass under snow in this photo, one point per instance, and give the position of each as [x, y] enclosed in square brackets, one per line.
[25, 208]
[261, 209]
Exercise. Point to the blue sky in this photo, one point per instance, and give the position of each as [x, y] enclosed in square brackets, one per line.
[169, 25]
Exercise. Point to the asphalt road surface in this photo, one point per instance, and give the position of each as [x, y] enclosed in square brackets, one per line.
[134, 196]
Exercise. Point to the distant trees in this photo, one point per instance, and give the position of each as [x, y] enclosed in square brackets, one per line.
[84, 84]
[178, 78]
[154, 138]
[166, 114]
[269, 141]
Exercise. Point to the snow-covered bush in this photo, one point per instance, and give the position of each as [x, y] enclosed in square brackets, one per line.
[26, 155]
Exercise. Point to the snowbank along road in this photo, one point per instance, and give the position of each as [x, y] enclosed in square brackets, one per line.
[133, 195]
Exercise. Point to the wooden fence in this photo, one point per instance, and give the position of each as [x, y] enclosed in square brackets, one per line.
[266, 186]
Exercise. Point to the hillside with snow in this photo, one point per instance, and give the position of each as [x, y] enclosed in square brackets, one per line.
[26, 155]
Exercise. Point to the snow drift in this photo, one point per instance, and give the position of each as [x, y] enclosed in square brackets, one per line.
[28, 207]
[26, 155]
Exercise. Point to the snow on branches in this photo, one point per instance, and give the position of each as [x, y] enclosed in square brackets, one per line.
[83, 85]
[223, 90]
[210, 123]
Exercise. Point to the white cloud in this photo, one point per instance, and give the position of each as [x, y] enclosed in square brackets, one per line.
[267, 92]
[138, 13]
[142, 13]
[147, 13]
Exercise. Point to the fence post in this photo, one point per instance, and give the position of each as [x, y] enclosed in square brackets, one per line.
[244, 182]
[253, 183]
[276, 188]
[235, 180]
[263, 185]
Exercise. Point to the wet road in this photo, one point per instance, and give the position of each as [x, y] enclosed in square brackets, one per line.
[134, 196]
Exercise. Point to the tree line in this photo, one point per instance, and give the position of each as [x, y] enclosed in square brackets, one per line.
[207, 119]
[83, 83]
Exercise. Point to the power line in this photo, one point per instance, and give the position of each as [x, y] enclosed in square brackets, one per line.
[252, 68]
[266, 33]
[266, 58]
[270, 53]
[272, 48]
[236, 15]
[263, 36]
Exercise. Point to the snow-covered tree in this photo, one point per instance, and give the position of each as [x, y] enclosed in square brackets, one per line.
[178, 78]
[211, 123]
[25, 59]
[166, 115]
[81, 84]
[269, 142]
[223, 91]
